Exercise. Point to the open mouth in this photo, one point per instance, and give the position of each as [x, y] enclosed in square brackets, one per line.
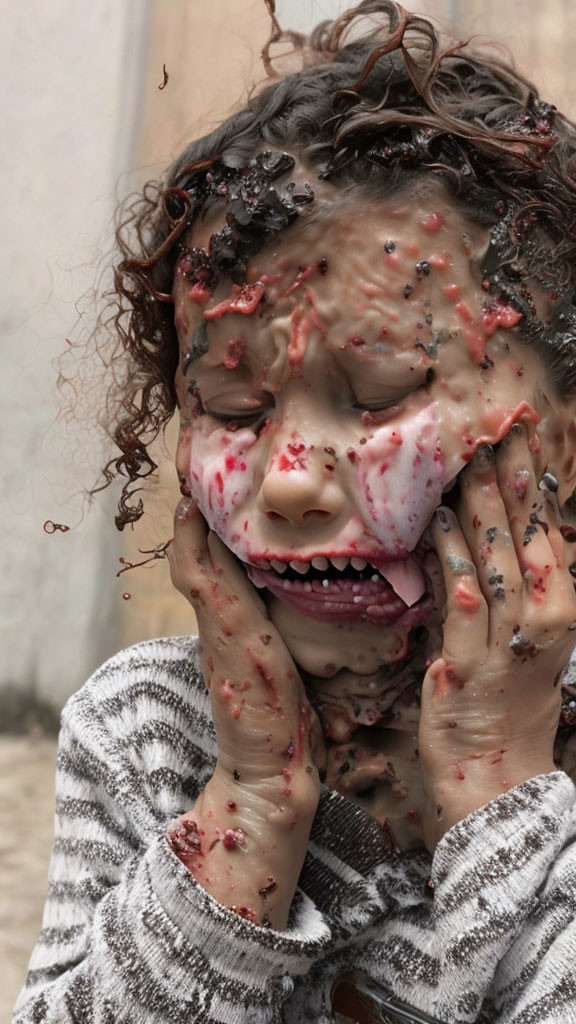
[342, 588]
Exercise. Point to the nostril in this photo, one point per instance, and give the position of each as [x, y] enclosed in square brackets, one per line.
[329, 468]
[273, 515]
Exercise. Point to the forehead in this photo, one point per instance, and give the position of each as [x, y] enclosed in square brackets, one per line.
[358, 277]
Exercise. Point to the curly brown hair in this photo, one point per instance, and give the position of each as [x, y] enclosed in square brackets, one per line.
[372, 108]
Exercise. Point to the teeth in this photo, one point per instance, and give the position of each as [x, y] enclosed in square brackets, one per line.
[278, 566]
[325, 583]
[301, 567]
[263, 563]
[340, 563]
[375, 578]
[308, 586]
[359, 563]
[320, 563]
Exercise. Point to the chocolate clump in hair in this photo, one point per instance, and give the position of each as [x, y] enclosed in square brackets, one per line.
[257, 211]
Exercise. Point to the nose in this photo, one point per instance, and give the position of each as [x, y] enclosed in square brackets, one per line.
[301, 486]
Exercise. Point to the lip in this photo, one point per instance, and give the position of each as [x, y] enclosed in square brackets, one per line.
[344, 600]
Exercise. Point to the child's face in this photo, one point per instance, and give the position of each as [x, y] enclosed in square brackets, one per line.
[333, 414]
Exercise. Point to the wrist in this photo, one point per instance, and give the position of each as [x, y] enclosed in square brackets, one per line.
[244, 849]
[468, 783]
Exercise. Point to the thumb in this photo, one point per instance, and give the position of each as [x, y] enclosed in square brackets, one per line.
[188, 553]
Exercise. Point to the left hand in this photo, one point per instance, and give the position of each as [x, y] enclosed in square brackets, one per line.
[491, 701]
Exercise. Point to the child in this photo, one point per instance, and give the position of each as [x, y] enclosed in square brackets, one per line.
[359, 292]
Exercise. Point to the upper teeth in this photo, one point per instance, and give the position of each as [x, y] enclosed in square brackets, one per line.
[340, 563]
[320, 562]
[300, 567]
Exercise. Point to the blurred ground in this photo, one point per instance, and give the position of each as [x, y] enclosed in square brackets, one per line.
[26, 821]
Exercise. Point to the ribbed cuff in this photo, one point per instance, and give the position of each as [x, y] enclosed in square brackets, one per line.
[233, 944]
[532, 817]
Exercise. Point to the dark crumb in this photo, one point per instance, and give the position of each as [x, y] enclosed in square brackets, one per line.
[519, 645]
[236, 775]
[535, 521]
[270, 887]
[529, 532]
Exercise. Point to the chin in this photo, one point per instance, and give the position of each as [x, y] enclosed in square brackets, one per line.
[323, 648]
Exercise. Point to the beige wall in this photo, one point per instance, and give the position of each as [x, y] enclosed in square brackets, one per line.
[211, 54]
[70, 84]
[210, 50]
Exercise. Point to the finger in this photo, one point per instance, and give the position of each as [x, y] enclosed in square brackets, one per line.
[188, 554]
[466, 626]
[525, 504]
[233, 584]
[535, 533]
[484, 520]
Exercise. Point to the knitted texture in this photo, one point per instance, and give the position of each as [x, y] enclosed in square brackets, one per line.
[482, 931]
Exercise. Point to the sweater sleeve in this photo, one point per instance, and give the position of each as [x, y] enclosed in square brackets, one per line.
[504, 908]
[128, 935]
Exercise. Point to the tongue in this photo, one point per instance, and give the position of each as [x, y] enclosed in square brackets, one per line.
[406, 579]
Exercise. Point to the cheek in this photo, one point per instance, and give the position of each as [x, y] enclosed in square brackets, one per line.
[222, 475]
[400, 475]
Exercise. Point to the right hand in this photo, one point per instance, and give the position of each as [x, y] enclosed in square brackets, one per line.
[269, 738]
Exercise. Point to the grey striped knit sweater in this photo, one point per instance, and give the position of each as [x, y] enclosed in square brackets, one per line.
[483, 931]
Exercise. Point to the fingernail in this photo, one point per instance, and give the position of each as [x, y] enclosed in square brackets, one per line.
[183, 509]
[443, 518]
[516, 430]
[484, 455]
[548, 482]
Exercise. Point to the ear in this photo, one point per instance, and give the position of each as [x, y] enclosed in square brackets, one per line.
[557, 433]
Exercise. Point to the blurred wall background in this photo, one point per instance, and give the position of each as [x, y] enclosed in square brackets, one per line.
[84, 123]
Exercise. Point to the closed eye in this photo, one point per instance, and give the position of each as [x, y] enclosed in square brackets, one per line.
[242, 419]
[381, 405]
